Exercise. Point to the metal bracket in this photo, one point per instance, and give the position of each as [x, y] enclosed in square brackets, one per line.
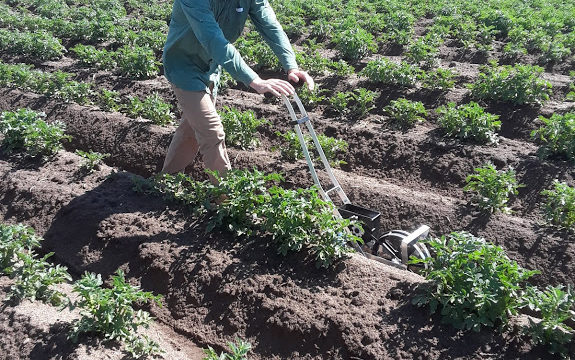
[411, 239]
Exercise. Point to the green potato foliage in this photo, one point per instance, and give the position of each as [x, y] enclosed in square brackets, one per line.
[357, 103]
[518, 84]
[35, 279]
[556, 304]
[109, 312]
[492, 188]
[239, 351]
[559, 205]
[332, 147]
[354, 44]
[153, 108]
[25, 130]
[386, 72]
[249, 203]
[15, 239]
[469, 122]
[471, 282]
[557, 135]
[241, 127]
[92, 160]
[406, 113]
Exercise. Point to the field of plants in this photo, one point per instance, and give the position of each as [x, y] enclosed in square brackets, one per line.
[455, 114]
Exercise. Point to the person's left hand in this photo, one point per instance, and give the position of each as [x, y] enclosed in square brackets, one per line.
[296, 75]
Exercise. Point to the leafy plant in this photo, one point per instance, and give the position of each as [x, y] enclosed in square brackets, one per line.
[406, 113]
[331, 147]
[557, 135]
[518, 84]
[15, 239]
[109, 100]
[248, 203]
[424, 51]
[241, 127]
[354, 44]
[26, 130]
[137, 62]
[239, 351]
[152, 108]
[389, 73]
[556, 305]
[559, 207]
[35, 279]
[37, 46]
[57, 84]
[92, 159]
[472, 282]
[358, 102]
[571, 94]
[438, 80]
[469, 122]
[90, 56]
[492, 187]
[301, 218]
[310, 98]
[110, 312]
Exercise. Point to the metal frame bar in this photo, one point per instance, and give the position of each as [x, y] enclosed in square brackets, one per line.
[304, 119]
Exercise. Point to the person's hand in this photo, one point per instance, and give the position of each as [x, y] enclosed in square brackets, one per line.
[275, 86]
[296, 75]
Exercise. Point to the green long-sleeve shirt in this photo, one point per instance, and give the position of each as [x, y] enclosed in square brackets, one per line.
[200, 36]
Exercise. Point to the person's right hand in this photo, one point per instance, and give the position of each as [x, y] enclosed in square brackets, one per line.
[275, 86]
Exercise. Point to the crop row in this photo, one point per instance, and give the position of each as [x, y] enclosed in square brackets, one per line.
[358, 29]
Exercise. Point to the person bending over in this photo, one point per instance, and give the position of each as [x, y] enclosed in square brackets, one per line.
[198, 46]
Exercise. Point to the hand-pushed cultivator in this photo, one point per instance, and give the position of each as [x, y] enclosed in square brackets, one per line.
[393, 247]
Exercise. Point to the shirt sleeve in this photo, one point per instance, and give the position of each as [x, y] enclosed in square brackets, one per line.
[211, 37]
[266, 23]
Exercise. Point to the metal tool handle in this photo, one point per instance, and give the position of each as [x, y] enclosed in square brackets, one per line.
[304, 119]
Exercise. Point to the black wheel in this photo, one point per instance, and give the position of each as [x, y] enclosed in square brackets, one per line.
[394, 238]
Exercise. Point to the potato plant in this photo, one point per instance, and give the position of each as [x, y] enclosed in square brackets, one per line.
[492, 187]
[137, 62]
[109, 312]
[438, 79]
[57, 84]
[88, 55]
[25, 130]
[358, 102]
[92, 160]
[354, 43]
[35, 46]
[241, 127]
[249, 203]
[386, 72]
[15, 239]
[559, 205]
[518, 84]
[556, 304]
[238, 351]
[469, 122]
[153, 108]
[472, 283]
[332, 147]
[35, 279]
[406, 113]
[557, 135]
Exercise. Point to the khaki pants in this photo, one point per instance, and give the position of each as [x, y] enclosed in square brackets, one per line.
[200, 130]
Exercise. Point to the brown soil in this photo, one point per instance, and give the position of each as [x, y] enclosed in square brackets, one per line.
[217, 287]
